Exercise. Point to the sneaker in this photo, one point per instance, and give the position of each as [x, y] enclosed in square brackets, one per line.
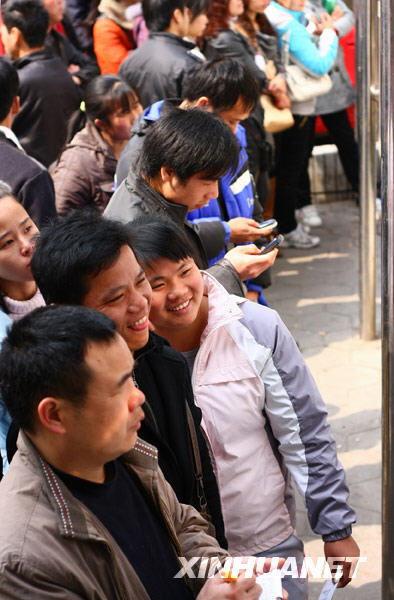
[308, 215]
[299, 238]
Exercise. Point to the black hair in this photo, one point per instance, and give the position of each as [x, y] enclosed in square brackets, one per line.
[197, 7]
[102, 96]
[223, 81]
[30, 17]
[9, 86]
[44, 355]
[190, 142]
[158, 238]
[158, 13]
[73, 248]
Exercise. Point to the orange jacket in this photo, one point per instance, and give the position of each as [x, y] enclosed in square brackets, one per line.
[111, 44]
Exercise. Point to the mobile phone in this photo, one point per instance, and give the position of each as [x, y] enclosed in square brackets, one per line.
[275, 242]
[270, 224]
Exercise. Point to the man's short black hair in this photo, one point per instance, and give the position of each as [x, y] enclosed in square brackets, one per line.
[197, 7]
[44, 355]
[223, 81]
[30, 17]
[73, 248]
[153, 238]
[9, 86]
[158, 13]
[189, 142]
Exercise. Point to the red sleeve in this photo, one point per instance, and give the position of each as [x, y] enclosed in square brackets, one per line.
[111, 45]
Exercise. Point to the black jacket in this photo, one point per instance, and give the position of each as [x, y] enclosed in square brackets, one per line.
[232, 44]
[48, 97]
[29, 180]
[159, 67]
[62, 47]
[162, 374]
[136, 198]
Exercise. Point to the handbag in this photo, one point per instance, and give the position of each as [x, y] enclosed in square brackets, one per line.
[302, 84]
[275, 119]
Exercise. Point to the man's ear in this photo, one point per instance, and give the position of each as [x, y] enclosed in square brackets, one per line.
[17, 38]
[177, 15]
[50, 414]
[166, 174]
[204, 103]
[16, 105]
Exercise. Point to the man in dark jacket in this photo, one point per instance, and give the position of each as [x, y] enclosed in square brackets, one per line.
[86, 259]
[158, 68]
[47, 92]
[29, 180]
[81, 67]
[183, 156]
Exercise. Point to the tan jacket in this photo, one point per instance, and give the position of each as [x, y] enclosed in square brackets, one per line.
[52, 546]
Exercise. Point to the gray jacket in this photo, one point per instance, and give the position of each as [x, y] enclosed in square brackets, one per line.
[136, 198]
[53, 546]
[342, 93]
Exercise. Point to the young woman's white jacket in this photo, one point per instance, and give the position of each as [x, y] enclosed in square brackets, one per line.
[264, 417]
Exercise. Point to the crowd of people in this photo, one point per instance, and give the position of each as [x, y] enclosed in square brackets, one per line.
[154, 410]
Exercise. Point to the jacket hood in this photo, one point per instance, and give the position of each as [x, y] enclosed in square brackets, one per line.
[90, 138]
[116, 11]
[223, 307]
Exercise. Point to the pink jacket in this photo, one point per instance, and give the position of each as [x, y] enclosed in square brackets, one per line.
[264, 418]
[230, 393]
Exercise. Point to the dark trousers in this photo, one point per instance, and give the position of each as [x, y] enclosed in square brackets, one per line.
[293, 148]
[342, 135]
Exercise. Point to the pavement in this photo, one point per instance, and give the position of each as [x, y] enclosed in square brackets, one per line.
[316, 292]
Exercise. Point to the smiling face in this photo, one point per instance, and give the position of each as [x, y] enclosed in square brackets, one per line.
[123, 293]
[177, 292]
[105, 425]
[17, 236]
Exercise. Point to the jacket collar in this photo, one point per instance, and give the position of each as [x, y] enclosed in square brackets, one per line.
[74, 520]
[172, 38]
[223, 308]
[157, 204]
[9, 135]
[38, 55]
[89, 137]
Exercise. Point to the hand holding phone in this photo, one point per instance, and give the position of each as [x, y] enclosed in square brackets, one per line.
[267, 225]
[274, 244]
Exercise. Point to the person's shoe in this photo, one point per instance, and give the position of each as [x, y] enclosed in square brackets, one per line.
[308, 215]
[299, 238]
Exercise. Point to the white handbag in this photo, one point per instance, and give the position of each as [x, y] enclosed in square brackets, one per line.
[302, 85]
